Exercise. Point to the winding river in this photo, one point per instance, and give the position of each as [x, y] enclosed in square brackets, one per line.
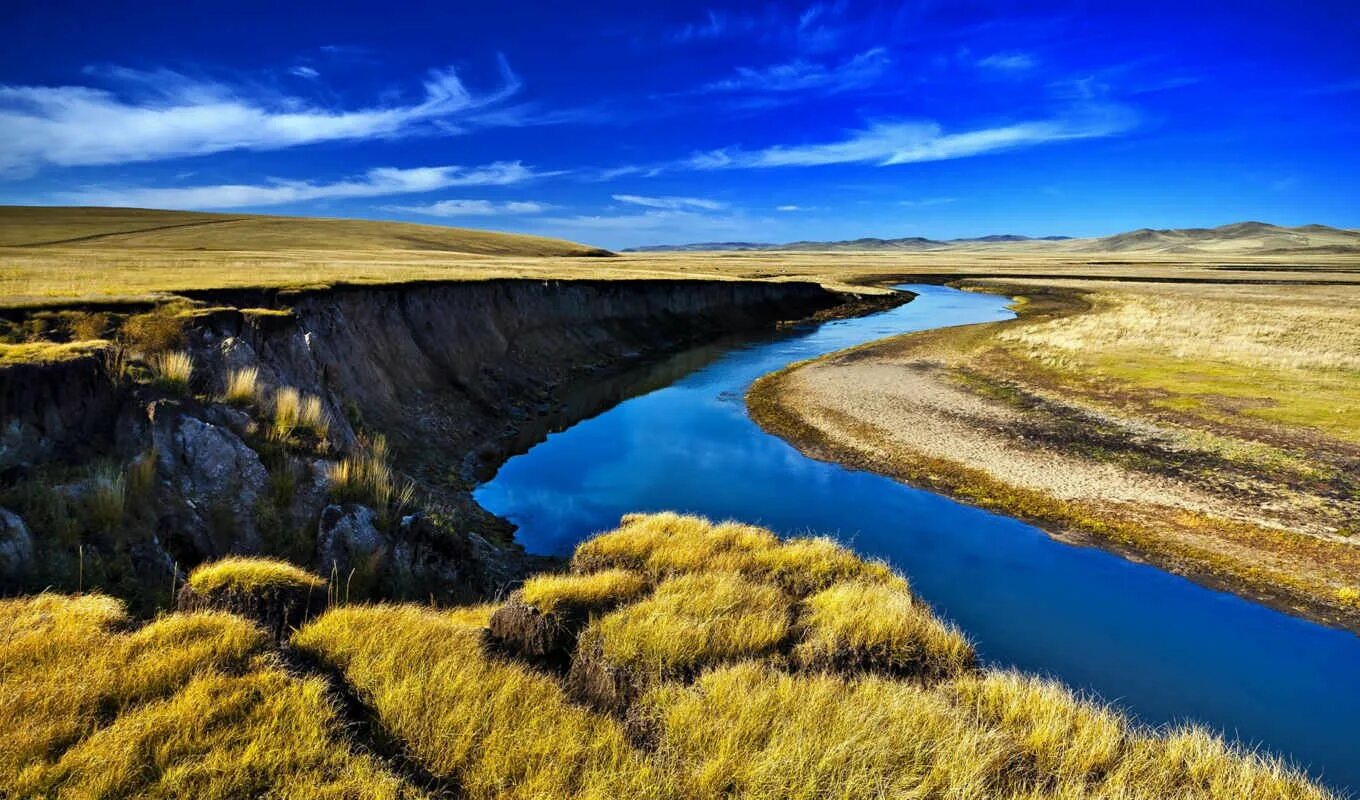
[1159, 646]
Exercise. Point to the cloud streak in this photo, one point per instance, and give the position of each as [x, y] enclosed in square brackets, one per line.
[671, 203]
[898, 142]
[180, 116]
[377, 182]
[857, 72]
[473, 208]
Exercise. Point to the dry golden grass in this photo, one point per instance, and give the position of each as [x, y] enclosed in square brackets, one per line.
[46, 352]
[251, 575]
[243, 387]
[692, 621]
[190, 705]
[594, 590]
[857, 625]
[366, 476]
[196, 705]
[145, 259]
[173, 370]
[496, 728]
[1285, 355]
[295, 413]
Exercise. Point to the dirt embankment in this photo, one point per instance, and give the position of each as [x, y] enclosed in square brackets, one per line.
[456, 376]
[1256, 509]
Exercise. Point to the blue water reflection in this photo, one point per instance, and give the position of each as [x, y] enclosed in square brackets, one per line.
[1160, 646]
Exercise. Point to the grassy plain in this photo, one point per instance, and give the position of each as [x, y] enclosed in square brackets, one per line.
[51, 257]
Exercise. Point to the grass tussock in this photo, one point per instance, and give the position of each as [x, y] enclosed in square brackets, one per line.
[173, 370]
[692, 621]
[297, 413]
[548, 593]
[496, 728]
[243, 387]
[860, 626]
[366, 476]
[190, 705]
[251, 575]
[275, 594]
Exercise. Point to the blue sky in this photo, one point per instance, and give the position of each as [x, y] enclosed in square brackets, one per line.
[633, 123]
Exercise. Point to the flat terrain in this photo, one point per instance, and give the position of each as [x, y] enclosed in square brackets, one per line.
[1211, 429]
[80, 255]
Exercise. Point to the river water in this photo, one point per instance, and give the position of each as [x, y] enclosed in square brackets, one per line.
[1157, 645]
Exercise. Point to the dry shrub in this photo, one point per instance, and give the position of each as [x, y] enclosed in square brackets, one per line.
[152, 332]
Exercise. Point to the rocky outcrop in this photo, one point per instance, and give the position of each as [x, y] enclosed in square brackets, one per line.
[209, 484]
[16, 548]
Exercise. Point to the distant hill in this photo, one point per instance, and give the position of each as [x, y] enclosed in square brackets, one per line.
[132, 228]
[867, 243]
[1243, 238]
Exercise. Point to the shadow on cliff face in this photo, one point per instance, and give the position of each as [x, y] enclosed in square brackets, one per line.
[115, 479]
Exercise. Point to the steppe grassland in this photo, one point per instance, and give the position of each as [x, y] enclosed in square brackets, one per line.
[1287, 354]
[189, 705]
[200, 705]
[752, 728]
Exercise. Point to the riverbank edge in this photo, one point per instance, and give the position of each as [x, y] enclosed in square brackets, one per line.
[1061, 521]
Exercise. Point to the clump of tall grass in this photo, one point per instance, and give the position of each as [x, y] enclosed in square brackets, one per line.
[295, 412]
[496, 728]
[275, 594]
[242, 386]
[173, 370]
[366, 476]
[106, 501]
[191, 705]
[548, 593]
[250, 575]
[694, 620]
[665, 544]
[860, 626]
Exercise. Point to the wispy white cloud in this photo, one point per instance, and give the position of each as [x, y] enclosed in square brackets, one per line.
[378, 182]
[474, 208]
[1009, 62]
[926, 202]
[857, 72]
[305, 72]
[789, 207]
[817, 28]
[714, 25]
[673, 203]
[889, 143]
[172, 115]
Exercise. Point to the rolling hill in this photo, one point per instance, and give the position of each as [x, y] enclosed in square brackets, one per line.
[134, 228]
[1242, 238]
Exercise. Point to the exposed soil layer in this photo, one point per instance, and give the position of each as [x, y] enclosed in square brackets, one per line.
[456, 375]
